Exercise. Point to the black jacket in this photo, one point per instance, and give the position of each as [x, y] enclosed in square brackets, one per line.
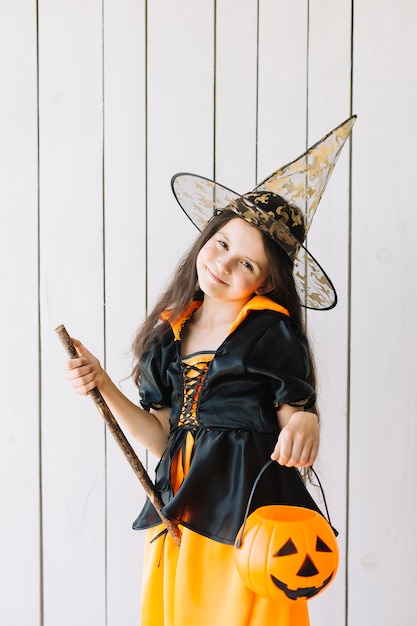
[261, 364]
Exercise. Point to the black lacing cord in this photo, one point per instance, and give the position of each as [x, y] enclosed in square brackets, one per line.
[191, 386]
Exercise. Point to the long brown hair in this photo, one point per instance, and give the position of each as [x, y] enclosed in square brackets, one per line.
[183, 288]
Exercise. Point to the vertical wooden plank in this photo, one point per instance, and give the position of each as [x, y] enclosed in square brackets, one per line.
[180, 123]
[282, 83]
[298, 69]
[383, 510]
[328, 105]
[20, 568]
[71, 147]
[180, 55]
[125, 256]
[236, 94]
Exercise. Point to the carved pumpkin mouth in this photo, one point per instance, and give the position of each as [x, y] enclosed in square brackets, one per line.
[301, 592]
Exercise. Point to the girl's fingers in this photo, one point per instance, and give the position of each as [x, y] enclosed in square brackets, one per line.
[294, 451]
[84, 371]
[306, 457]
[83, 384]
[74, 364]
[78, 371]
[288, 448]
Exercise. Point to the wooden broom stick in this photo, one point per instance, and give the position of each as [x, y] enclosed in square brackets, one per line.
[121, 440]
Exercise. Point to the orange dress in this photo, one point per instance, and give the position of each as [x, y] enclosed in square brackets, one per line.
[198, 584]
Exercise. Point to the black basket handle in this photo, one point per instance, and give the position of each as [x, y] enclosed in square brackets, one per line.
[267, 464]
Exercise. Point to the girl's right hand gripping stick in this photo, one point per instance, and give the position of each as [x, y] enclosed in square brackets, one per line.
[121, 440]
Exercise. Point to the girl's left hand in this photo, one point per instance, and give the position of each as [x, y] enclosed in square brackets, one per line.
[298, 441]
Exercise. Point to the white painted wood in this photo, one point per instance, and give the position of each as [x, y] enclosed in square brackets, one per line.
[180, 61]
[92, 246]
[125, 280]
[282, 83]
[19, 384]
[329, 61]
[293, 42]
[382, 503]
[236, 94]
[180, 123]
[73, 461]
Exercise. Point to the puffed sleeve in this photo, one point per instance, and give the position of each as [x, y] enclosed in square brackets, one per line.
[155, 387]
[282, 356]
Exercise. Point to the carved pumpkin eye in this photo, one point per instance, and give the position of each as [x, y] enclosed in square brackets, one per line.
[287, 549]
[321, 546]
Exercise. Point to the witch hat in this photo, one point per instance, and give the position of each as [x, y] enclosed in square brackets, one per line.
[283, 205]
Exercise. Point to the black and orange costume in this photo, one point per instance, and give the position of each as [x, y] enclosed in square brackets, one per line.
[223, 428]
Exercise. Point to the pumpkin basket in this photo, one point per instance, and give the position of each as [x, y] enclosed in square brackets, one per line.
[286, 553]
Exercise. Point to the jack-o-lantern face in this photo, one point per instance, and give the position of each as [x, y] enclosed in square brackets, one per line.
[287, 553]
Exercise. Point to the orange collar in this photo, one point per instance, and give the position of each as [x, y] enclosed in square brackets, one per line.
[257, 303]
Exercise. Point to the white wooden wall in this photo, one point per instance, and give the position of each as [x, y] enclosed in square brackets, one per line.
[101, 102]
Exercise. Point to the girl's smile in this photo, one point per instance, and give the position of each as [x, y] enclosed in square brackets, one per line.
[233, 265]
[215, 277]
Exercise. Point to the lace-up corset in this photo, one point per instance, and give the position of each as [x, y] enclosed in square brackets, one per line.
[194, 370]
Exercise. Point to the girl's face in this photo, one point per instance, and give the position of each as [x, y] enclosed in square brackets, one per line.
[233, 265]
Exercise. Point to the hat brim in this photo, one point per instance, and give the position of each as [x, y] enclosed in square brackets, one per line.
[200, 198]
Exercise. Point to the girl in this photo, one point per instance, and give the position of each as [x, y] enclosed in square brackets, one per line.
[226, 381]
